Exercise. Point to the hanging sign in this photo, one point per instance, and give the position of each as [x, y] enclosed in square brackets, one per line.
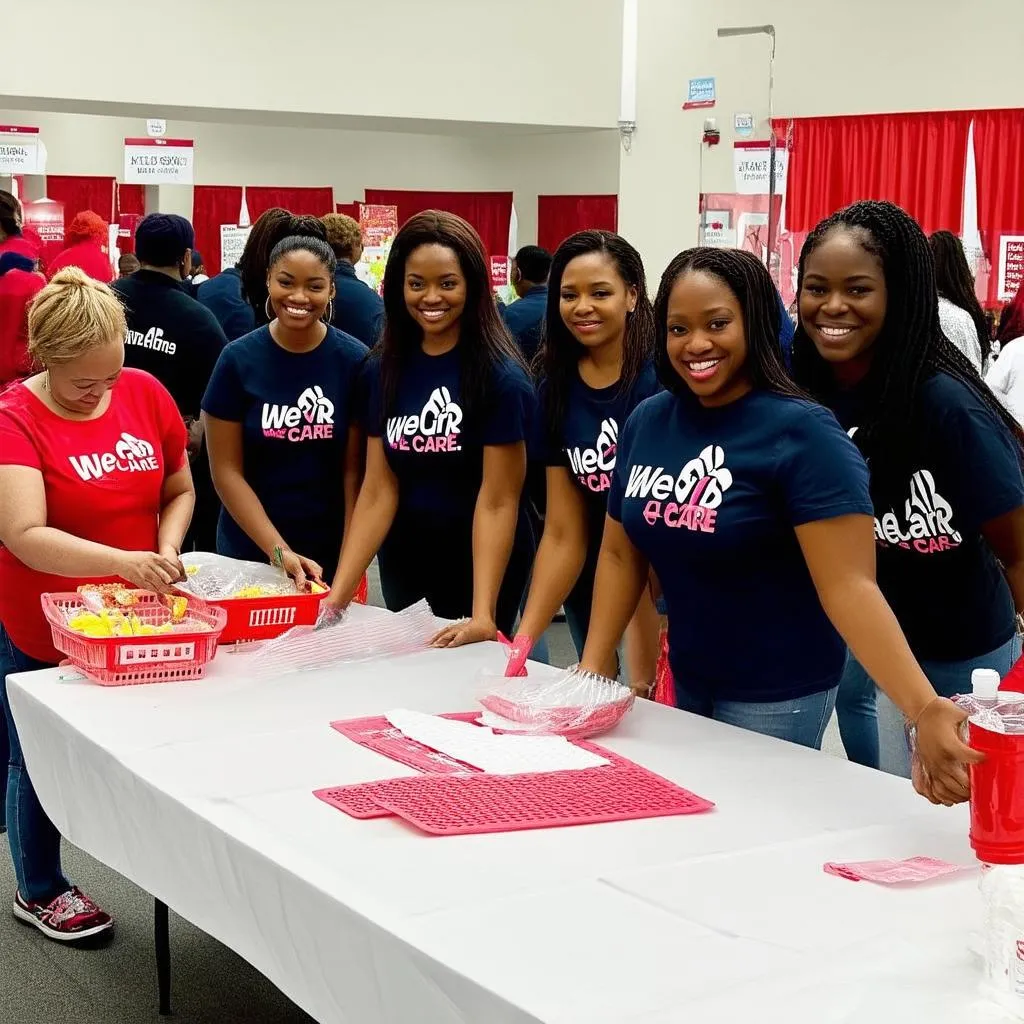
[751, 161]
[158, 161]
[1011, 266]
[499, 271]
[232, 242]
[743, 125]
[156, 127]
[21, 150]
[700, 93]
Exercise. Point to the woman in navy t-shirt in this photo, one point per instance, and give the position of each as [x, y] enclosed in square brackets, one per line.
[945, 458]
[752, 507]
[449, 409]
[280, 411]
[595, 366]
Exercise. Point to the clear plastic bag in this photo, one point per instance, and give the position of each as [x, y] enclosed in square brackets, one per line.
[218, 578]
[573, 703]
[359, 633]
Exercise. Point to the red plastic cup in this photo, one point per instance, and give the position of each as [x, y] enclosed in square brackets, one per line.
[997, 796]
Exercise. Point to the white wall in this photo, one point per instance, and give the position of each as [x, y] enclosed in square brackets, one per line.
[349, 161]
[528, 62]
[873, 56]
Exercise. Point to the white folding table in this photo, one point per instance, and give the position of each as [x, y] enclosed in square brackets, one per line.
[201, 793]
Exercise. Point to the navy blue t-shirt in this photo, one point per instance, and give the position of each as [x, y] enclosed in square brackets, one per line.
[588, 441]
[295, 410]
[435, 447]
[711, 498]
[934, 566]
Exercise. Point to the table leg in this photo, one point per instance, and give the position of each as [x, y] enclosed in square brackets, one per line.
[162, 942]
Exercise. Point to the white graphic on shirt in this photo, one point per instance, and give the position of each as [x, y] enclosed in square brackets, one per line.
[130, 455]
[927, 524]
[698, 490]
[153, 339]
[310, 419]
[435, 429]
[593, 466]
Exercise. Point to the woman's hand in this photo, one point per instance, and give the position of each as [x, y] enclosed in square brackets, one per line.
[468, 631]
[942, 754]
[304, 571]
[149, 570]
[171, 553]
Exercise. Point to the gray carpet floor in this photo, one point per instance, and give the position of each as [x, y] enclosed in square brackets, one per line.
[44, 983]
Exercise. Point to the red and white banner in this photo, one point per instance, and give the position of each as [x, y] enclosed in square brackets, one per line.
[499, 271]
[21, 150]
[751, 161]
[158, 161]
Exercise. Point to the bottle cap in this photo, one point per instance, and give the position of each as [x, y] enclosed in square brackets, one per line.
[984, 682]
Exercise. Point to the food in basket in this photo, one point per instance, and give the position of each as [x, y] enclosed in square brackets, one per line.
[119, 624]
[110, 595]
[177, 605]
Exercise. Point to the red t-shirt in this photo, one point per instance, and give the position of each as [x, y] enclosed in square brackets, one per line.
[22, 245]
[103, 480]
[17, 289]
[90, 256]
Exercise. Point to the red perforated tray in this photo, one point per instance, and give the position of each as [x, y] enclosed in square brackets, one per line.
[357, 801]
[466, 804]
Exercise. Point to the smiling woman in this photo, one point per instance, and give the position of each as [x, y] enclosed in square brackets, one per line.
[280, 412]
[733, 483]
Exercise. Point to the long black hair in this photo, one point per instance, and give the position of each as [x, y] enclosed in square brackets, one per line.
[955, 282]
[910, 347]
[269, 229]
[748, 279]
[559, 354]
[484, 340]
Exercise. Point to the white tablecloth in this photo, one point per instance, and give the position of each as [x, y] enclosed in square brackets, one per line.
[201, 793]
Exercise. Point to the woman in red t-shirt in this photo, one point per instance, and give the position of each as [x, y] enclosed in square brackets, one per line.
[94, 485]
[86, 239]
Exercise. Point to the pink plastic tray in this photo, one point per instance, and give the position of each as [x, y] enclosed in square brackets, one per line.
[449, 805]
[357, 801]
[378, 734]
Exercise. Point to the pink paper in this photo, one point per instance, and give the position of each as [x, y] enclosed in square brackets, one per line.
[895, 872]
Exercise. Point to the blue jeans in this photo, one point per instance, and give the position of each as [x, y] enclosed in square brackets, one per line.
[801, 720]
[34, 842]
[872, 726]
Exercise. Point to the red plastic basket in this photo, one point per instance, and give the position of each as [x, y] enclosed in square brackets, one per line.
[265, 618]
[124, 661]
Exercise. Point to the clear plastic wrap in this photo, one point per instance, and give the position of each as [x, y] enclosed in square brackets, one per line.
[218, 578]
[359, 633]
[572, 703]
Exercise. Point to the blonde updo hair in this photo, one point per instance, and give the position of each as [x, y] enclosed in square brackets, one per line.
[72, 315]
[343, 234]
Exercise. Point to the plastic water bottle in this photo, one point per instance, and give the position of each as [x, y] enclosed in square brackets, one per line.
[1002, 889]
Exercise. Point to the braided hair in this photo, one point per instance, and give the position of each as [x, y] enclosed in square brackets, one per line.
[270, 227]
[910, 346]
[955, 282]
[748, 279]
[558, 357]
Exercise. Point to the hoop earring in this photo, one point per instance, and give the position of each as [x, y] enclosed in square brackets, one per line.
[328, 317]
[269, 310]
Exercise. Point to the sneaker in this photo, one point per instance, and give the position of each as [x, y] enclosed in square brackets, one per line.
[71, 917]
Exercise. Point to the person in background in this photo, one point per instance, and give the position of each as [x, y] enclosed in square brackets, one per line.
[961, 317]
[1006, 377]
[358, 309]
[86, 247]
[178, 341]
[945, 459]
[450, 409]
[732, 484]
[281, 415]
[525, 317]
[199, 274]
[12, 238]
[594, 367]
[127, 264]
[94, 487]
[20, 282]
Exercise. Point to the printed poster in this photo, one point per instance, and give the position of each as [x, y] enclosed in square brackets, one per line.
[499, 271]
[1011, 266]
[232, 242]
[751, 163]
[158, 161]
[700, 93]
[379, 225]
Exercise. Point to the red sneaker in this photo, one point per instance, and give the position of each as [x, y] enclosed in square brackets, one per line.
[71, 917]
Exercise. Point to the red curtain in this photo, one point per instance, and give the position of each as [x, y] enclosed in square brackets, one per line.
[558, 217]
[488, 212]
[80, 192]
[313, 201]
[130, 199]
[914, 160]
[213, 205]
[999, 160]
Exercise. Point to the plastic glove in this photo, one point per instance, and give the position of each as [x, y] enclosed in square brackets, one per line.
[518, 652]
